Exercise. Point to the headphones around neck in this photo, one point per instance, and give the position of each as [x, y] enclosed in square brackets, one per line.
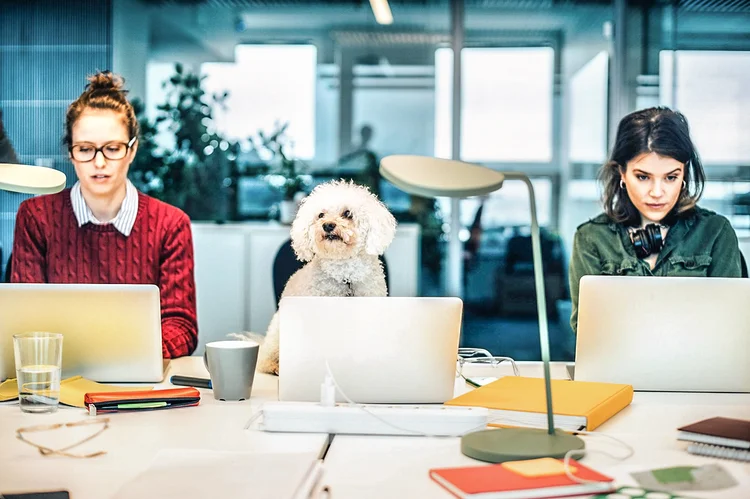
[647, 240]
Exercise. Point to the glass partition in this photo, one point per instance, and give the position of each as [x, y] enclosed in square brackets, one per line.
[245, 106]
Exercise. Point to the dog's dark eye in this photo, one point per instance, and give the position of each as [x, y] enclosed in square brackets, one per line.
[347, 214]
[321, 215]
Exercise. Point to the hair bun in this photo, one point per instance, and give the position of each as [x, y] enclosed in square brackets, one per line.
[105, 81]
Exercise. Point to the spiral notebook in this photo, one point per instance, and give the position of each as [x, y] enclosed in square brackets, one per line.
[719, 451]
[718, 437]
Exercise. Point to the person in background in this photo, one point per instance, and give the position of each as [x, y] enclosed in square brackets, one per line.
[102, 230]
[7, 154]
[652, 225]
[365, 161]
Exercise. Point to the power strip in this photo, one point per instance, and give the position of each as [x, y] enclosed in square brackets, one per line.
[311, 417]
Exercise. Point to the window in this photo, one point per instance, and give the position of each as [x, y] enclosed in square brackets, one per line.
[506, 104]
[588, 111]
[711, 90]
[397, 104]
[507, 206]
[267, 84]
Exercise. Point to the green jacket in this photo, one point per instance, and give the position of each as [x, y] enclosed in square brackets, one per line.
[701, 244]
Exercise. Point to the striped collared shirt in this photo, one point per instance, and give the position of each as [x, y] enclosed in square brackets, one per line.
[125, 218]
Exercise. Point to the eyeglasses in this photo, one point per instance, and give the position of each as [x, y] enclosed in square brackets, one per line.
[111, 150]
[46, 451]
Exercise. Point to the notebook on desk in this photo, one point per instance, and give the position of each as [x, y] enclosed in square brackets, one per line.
[520, 401]
[521, 480]
[184, 472]
[718, 431]
[718, 437]
[111, 332]
[665, 333]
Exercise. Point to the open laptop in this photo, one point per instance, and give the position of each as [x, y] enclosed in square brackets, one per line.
[111, 332]
[380, 350]
[665, 333]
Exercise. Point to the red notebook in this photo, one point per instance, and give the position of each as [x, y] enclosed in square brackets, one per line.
[496, 482]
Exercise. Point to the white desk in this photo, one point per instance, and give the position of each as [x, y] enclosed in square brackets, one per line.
[366, 467]
[133, 440]
[356, 466]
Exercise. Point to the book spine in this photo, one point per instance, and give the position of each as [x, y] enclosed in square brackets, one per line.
[609, 408]
[719, 451]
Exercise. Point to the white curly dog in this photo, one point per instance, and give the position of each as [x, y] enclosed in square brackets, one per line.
[340, 229]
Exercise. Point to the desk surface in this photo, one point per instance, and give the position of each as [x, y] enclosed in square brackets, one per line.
[133, 440]
[366, 467]
[356, 466]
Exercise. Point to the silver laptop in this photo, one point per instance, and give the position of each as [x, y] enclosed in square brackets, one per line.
[380, 350]
[111, 332]
[665, 333]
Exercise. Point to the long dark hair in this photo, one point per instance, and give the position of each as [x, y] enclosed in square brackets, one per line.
[659, 130]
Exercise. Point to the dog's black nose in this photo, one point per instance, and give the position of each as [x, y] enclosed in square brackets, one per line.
[328, 227]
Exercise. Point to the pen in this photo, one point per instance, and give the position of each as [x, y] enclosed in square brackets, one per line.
[190, 381]
[136, 405]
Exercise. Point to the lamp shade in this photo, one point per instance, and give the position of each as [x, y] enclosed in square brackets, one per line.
[436, 177]
[31, 179]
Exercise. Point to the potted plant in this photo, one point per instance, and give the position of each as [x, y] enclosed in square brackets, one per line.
[198, 171]
[286, 173]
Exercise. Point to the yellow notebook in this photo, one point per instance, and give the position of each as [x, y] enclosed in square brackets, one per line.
[519, 401]
[72, 390]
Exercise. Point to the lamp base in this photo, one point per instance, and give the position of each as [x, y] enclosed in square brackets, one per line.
[517, 444]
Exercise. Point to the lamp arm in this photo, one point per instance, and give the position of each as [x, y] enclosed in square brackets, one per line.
[541, 300]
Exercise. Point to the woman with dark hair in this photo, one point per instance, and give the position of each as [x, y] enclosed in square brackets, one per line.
[102, 230]
[652, 225]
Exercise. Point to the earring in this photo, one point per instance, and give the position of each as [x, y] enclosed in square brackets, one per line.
[684, 185]
[622, 184]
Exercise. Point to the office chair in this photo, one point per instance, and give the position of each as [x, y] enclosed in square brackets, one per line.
[285, 264]
[515, 288]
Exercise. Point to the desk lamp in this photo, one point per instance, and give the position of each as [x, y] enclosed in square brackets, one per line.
[434, 177]
[31, 179]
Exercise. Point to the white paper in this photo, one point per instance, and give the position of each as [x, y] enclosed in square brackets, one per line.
[181, 473]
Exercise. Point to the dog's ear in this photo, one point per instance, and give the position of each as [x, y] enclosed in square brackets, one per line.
[302, 232]
[381, 226]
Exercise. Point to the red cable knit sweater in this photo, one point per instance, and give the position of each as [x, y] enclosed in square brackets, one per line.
[50, 247]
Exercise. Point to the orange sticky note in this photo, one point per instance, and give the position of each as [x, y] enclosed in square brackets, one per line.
[532, 468]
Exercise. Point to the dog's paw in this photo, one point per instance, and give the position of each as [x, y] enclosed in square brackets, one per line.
[268, 365]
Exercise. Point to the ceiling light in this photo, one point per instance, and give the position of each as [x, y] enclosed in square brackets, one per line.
[382, 11]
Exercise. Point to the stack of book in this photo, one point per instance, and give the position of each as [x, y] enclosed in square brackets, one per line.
[718, 437]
